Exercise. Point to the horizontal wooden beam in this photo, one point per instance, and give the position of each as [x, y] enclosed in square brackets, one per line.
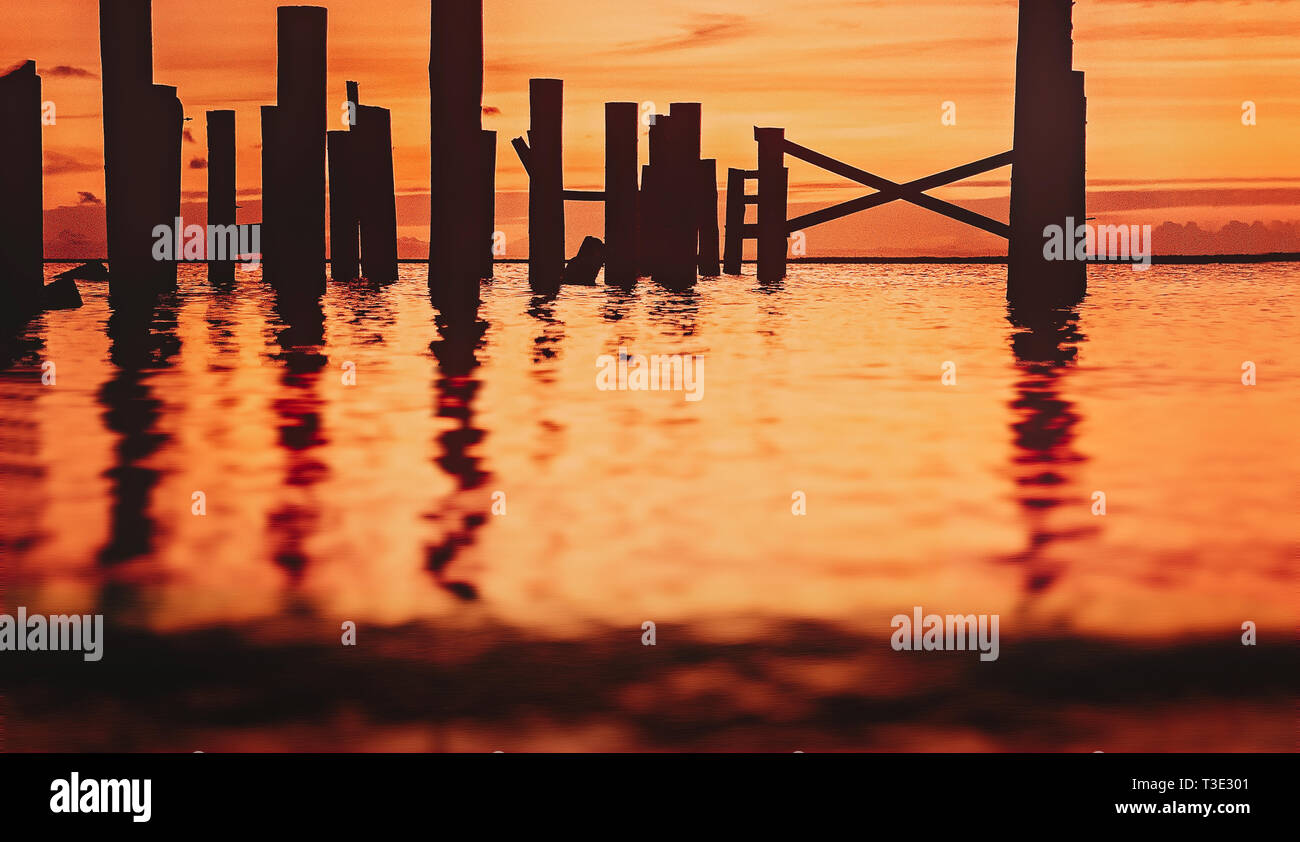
[584, 195]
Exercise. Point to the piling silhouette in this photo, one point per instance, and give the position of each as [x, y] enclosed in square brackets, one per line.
[457, 233]
[1048, 180]
[22, 271]
[221, 193]
[345, 211]
[376, 196]
[622, 124]
[297, 226]
[545, 165]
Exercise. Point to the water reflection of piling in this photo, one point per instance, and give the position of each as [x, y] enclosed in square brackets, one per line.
[460, 336]
[1045, 344]
[142, 340]
[221, 190]
[301, 429]
[21, 225]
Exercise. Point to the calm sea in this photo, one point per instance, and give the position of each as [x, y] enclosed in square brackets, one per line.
[229, 485]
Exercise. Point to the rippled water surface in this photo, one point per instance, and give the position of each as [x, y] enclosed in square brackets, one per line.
[499, 528]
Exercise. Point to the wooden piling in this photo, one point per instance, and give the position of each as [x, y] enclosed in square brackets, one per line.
[345, 212]
[1048, 175]
[301, 134]
[546, 257]
[621, 163]
[773, 181]
[22, 271]
[376, 193]
[163, 141]
[456, 143]
[221, 194]
[733, 250]
[130, 205]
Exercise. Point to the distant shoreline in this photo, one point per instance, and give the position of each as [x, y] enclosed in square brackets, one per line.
[1168, 259]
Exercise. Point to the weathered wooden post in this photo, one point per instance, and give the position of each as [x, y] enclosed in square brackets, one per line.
[456, 144]
[345, 213]
[221, 195]
[546, 255]
[733, 250]
[376, 193]
[621, 165]
[1048, 175]
[773, 180]
[22, 268]
[301, 135]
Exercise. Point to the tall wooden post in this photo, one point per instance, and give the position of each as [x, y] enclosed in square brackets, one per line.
[546, 255]
[680, 197]
[301, 132]
[22, 270]
[621, 163]
[163, 140]
[733, 250]
[488, 182]
[773, 180]
[376, 193]
[345, 212]
[221, 193]
[131, 207]
[456, 144]
[1048, 175]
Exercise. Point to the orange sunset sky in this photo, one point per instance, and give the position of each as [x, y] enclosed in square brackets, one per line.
[862, 80]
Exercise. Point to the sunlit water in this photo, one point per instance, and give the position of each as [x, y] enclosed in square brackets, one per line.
[499, 528]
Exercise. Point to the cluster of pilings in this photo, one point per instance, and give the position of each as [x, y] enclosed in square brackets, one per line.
[660, 220]
[143, 127]
[363, 207]
[22, 273]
